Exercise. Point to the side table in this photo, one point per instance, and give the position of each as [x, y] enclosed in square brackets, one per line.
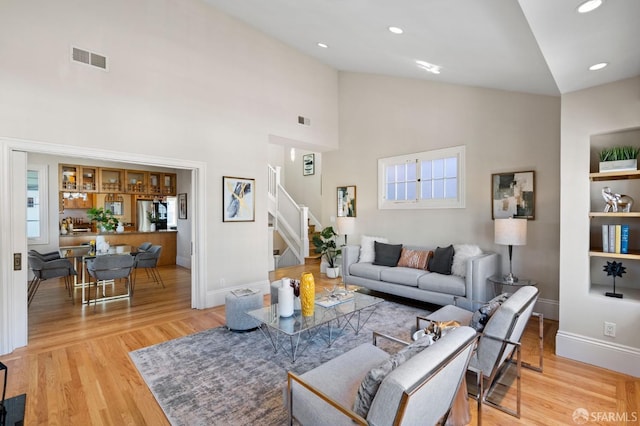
[499, 284]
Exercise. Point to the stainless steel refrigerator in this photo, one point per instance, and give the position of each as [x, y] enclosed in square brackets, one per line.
[157, 210]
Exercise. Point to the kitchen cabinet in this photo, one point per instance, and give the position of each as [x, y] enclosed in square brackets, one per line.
[136, 182]
[111, 180]
[78, 202]
[169, 184]
[154, 183]
[68, 177]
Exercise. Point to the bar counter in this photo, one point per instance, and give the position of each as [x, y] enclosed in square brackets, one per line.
[167, 239]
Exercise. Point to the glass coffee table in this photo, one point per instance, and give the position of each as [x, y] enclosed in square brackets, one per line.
[294, 334]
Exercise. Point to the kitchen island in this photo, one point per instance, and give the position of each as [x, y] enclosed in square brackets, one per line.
[167, 239]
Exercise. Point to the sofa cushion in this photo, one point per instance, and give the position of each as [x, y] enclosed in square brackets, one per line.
[447, 284]
[442, 260]
[462, 253]
[366, 270]
[387, 254]
[373, 379]
[402, 275]
[367, 249]
[418, 259]
[484, 313]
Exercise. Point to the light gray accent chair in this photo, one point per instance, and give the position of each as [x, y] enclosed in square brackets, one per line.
[144, 246]
[148, 260]
[110, 267]
[498, 344]
[47, 266]
[421, 390]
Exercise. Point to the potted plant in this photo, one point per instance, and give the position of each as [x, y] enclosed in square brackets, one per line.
[104, 219]
[619, 158]
[153, 220]
[325, 243]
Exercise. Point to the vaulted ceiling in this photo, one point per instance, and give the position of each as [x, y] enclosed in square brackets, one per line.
[534, 46]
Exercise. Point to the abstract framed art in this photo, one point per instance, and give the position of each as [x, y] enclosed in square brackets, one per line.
[347, 201]
[182, 206]
[238, 199]
[308, 164]
[513, 195]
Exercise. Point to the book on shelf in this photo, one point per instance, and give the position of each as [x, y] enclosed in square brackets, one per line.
[605, 238]
[618, 235]
[624, 239]
[612, 238]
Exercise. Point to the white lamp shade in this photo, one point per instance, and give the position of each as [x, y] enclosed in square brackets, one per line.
[345, 225]
[510, 232]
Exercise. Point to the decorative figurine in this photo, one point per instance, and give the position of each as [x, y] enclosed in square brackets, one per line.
[613, 201]
[616, 269]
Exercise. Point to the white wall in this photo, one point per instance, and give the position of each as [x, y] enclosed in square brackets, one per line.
[184, 82]
[602, 109]
[502, 131]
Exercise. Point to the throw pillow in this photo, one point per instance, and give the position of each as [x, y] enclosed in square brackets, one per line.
[417, 259]
[482, 316]
[386, 254]
[373, 379]
[367, 250]
[442, 260]
[462, 253]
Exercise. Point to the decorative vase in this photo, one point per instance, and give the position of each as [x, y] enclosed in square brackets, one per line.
[285, 300]
[333, 272]
[152, 227]
[120, 228]
[307, 294]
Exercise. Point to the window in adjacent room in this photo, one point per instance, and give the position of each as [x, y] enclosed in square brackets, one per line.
[37, 211]
[425, 180]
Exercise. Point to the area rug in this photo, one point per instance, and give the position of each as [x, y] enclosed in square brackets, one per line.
[218, 377]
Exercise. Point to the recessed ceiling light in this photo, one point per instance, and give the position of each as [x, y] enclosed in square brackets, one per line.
[396, 30]
[589, 5]
[323, 45]
[434, 69]
[597, 67]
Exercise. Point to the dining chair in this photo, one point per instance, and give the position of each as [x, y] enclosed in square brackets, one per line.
[45, 269]
[144, 246]
[149, 261]
[110, 267]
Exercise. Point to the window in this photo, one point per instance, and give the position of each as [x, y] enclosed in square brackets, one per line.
[172, 210]
[37, 209]
[425, 180]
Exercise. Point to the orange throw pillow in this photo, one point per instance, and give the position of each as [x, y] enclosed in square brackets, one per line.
[418, 259]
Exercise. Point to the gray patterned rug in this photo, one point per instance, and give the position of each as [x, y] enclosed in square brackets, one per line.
[218, 377]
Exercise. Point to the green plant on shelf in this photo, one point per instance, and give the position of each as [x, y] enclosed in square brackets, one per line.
[105, 220]
[618, 153]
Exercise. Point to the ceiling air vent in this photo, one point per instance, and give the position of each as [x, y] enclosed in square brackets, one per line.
[89, 58]
[304, 121]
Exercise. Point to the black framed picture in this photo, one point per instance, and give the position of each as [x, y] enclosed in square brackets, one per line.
[308, 164]
[513, 195]
[182, 206]
[238, 199]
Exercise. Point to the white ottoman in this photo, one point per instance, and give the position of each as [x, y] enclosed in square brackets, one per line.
[236, 308]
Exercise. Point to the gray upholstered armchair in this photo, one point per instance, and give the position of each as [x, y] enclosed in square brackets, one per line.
[419, 390]
[498, 344]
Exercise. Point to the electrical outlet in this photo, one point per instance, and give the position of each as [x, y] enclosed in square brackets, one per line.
[610, 329]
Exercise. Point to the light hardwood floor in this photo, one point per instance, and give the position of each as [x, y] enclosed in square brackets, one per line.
[76, 369]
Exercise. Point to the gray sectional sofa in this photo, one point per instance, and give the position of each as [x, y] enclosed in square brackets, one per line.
[420, 284]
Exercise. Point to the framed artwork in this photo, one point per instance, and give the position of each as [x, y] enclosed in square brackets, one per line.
[513, 195]
[308, 164]
[347, 201]
[182, 206]
[238, 199]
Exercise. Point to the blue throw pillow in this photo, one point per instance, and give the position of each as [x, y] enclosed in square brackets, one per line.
[482, 316]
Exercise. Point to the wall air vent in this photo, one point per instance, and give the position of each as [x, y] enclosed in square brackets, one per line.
[89, 58]
[304, 121]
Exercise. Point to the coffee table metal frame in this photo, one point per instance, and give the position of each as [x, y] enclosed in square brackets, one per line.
[282, 330]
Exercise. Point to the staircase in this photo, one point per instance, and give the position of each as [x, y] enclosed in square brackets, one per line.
[290, 220]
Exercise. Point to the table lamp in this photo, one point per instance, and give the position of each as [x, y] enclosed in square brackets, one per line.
[510, 232]
[345, 225]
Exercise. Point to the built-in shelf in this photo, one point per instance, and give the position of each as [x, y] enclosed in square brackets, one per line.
[614, 214]
[627, 293]
[630, 256]
[627, 174]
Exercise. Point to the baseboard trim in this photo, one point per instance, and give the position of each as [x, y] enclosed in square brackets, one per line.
[217, 297]
[620, 358]
[185, 262]
[549, 308]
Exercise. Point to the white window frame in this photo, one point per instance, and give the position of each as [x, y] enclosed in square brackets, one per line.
[457, 202]
[43, 190]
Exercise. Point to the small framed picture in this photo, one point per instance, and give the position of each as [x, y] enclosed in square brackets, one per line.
[308, 164]
[347, 201]
[238, 199]
[182, 206]
[513, 195]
